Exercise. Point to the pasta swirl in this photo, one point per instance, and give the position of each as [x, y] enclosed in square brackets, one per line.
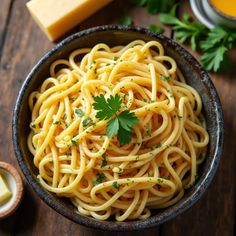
[101, 177]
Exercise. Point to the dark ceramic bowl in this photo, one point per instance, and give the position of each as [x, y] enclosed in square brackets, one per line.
[117, 35]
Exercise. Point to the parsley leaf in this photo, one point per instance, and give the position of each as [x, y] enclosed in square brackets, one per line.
[126, 20]
[112, 127]
[107, 108]
[155, 6]
[100, 178]
[215, 46]
[156, 28]
[87, 121]
[127, 120]
[79, 112]
[116, 185]
[120, 125]
[104, 160]
[186, 29]
[124, 136]
[139, 2]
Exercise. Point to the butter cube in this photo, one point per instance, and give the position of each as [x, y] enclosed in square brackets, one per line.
[5, 193]
[55, 17]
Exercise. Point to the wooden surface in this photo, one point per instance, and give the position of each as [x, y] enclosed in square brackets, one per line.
[21, 46]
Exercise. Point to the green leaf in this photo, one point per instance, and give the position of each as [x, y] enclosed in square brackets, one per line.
[79, 112]
[87, 121]
[112, 127]
[154, 6]
[124, 136]
[100, 178]
[74, 143]
[173, 10]
[104, 160]
[107, 108]
[139, 2]
[169, 19]
[213, 58]
[156, 28]
[127, 120]
[116, 185]
[126, 20]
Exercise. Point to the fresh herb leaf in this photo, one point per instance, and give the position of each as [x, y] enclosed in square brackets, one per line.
[127, 120]
[140, 2]
[107, 108]
[124, 136]
[87, 121]
[33, 126]
[156, 28]
[116, 185]
[74, 143]
[115, 58]
[79, 112]
[100, 178]
[185, 29]
[148, 132]
[215, 47]
[104, 160]
[112, 127]
[57, 123]
[120, 125]
[166, 78]
[126, 20]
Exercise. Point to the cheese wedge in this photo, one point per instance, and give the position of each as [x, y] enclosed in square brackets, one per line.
[55, 17]
[5, 193]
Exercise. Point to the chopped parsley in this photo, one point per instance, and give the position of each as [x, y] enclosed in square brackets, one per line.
[104, 160]
[87, 121]
[100, 178]
[79, 112]
[57, 123]
[74, 143]
[116, 185]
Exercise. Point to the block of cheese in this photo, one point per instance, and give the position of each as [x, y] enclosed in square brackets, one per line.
[55, 17]
[5, 193]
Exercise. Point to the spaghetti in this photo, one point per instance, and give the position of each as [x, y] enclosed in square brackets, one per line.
[101, 177]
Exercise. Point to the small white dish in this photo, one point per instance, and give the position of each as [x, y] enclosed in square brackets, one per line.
[200, 14]
[16, 186]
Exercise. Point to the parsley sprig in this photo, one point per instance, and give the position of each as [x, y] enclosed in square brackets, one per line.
[119, 124]
[155, 6]
[185, 29]
[215, 43]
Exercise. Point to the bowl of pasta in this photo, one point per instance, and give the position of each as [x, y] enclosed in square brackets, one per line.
[118, 128]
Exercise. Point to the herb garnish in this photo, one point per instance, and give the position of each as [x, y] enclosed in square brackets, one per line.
[79, 112]
[87, 121]
[100, 178]
[116, 185]
[215, 44]
[104, 160]
[120, 125]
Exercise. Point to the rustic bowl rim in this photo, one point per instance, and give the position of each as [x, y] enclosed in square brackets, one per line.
[154, 220]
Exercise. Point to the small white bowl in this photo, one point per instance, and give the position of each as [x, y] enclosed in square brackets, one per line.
[218, 17]
[16, 185]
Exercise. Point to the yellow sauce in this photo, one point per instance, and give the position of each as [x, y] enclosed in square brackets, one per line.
[227, 7]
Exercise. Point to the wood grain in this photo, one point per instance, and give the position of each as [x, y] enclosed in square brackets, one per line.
[5, 12]
[24, 44]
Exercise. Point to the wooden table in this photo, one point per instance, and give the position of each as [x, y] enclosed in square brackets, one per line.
[21, 46]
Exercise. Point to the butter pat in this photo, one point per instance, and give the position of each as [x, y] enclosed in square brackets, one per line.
[55, 17]
[5, 193]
